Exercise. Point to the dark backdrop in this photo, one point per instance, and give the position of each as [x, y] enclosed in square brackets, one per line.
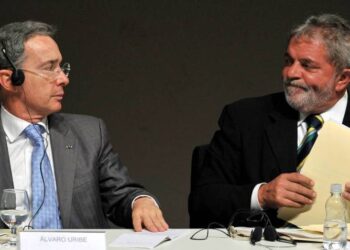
[159, 72]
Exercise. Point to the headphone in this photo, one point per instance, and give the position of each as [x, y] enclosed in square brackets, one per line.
[268, 231]
[17, 77]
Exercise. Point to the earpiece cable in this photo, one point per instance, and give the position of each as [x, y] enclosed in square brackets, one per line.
[41, 164]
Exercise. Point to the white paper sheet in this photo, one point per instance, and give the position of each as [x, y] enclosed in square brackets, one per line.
[146, 239]
[327, 163]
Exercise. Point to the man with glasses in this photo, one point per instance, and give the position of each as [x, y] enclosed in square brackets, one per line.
[65, 162]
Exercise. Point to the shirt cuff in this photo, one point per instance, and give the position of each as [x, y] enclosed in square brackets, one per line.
[140, 196]
[254, 200]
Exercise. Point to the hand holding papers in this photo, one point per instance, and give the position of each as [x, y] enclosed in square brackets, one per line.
[327, 163]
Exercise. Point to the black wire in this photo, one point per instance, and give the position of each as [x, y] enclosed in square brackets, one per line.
[44, 187]
[207, 232]
[41, 163]
[252, 216]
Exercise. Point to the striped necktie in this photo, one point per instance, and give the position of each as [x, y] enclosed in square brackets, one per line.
[314, 123]
[44, 195]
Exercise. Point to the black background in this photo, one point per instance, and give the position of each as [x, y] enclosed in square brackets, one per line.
[160, 72]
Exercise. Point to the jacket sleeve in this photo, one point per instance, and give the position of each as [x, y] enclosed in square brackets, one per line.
[117, 189]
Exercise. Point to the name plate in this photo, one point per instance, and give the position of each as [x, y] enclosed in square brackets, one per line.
[62, 240]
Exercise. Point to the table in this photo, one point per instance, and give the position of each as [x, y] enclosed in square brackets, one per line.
[216, 240]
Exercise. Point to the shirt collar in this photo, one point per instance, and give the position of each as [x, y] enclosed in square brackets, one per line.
[335, 113]
[14, 126]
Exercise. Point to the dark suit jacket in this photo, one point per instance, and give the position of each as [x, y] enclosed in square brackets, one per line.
[93, 186]
[256, 142]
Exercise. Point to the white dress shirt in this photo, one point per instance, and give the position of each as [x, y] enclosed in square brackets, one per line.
[20, 149]
[336, 114]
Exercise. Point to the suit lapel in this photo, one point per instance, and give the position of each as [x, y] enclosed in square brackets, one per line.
[346, 120]
[6, 180]
[282, 135]
[64, 158]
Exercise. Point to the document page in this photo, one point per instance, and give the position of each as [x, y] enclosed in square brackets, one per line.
[146, 239]
[327, 163]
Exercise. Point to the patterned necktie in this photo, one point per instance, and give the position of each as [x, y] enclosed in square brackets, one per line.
[314, 123]
[44, 196]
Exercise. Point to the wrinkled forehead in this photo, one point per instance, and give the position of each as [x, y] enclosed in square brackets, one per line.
[40, 49]
[314, 42]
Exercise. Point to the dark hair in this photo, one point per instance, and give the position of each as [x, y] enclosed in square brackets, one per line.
[334, 31]
[14, 35]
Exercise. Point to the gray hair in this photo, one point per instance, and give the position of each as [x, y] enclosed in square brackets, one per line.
[14, 35]
[334, 31]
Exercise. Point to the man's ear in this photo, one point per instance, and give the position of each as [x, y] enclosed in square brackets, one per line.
[343, 81]
[5, 80]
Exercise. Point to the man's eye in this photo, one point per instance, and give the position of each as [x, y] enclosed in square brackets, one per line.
[50, 67]
[308, 66]
[305, 65]
[288, 61]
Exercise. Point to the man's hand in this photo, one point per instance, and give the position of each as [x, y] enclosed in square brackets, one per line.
[287, 190]
[346, 193]
[146, 214]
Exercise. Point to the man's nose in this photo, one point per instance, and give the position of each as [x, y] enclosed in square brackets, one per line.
[292, 71]
[62, 79]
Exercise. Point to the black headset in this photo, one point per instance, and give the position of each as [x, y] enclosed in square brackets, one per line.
[268, 230]
[17, 77]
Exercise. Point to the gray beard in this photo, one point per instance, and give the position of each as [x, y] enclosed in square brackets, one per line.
[307, 102]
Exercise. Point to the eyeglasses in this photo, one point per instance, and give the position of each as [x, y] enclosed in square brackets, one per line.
[51, 75]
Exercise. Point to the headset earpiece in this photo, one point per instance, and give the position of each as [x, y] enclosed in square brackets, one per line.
[17, 77]
[270, 233]
[255, 235]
